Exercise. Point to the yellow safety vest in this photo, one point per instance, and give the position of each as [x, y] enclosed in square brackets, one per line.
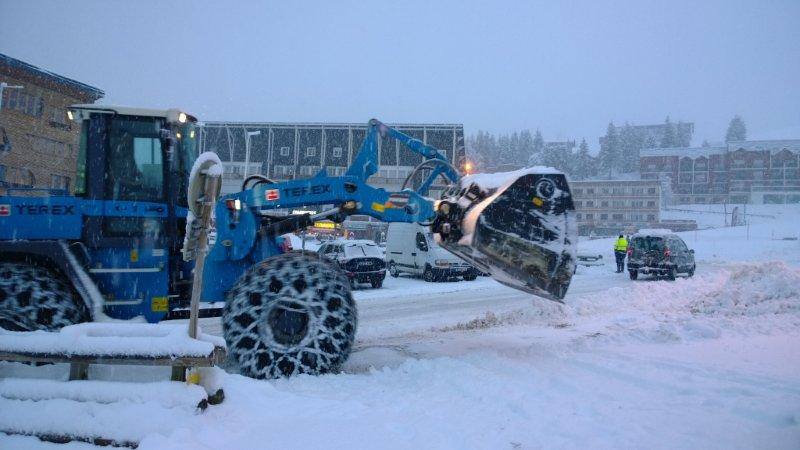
[621, 245]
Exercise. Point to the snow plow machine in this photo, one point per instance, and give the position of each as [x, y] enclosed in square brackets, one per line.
[146, 238]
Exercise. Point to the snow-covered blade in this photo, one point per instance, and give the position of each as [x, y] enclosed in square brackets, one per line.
[522, 232]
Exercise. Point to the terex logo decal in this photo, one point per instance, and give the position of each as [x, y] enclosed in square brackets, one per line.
[272, 194]
[5, 210]
[55, 210]
[312, 190]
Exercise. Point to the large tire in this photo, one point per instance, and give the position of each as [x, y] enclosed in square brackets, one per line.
[35, 298]
[428, 275]
[671, 274]
[393, 269]
[634, 274]
[290, 314]
[691, 271]
[471, 276]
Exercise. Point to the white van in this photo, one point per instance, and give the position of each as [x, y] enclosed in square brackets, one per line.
[410, 248]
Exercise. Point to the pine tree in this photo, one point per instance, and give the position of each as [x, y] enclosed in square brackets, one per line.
[630, 142]
[537, 158]
[683, 137]
[504, 149]
[525, 147]
[609, 155]
[583, 162]
[669, 137]
[736, 130]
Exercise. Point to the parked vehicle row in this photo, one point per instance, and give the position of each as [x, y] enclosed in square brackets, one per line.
[410, 249]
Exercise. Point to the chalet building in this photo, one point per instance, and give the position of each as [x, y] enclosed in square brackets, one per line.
[608, 207]
[38, 143]
[285, 151]
[739, 172]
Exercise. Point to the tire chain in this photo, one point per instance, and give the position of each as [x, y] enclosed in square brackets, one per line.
[304, 279]
[34, 298]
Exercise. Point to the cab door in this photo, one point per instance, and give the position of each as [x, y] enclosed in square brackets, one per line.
[125, 230]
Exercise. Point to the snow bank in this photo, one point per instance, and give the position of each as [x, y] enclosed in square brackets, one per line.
[152, 340]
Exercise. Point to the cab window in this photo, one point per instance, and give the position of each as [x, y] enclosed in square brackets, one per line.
[135, 161]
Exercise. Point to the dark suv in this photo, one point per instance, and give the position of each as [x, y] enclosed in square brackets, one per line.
[361, 260]
[660, 254]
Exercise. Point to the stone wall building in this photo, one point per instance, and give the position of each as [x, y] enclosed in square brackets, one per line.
[38, 143]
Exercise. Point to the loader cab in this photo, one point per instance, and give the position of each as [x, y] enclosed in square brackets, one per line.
[132, 170]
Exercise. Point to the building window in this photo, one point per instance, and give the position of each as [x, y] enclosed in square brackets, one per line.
[651, 217]
[701, 177]
[579, 216]
[284, 151]
[311, 151]
[651, 203]
[590, 191]
[24, 102]
[758, 162]
[589, 203]
[699, 199]
[578, 204]
[604, 204]
[651, 191]
[603, 216]
[337, 152]
[58, 118]
[651, 167]
[604, 190]
[617, 217]
[637, 191]
[589, 216]
[618, 191]
[577, 192]
[59, 182]
[618, 203]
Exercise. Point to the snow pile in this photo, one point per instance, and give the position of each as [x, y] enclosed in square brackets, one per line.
[752, 290]
[151, 340]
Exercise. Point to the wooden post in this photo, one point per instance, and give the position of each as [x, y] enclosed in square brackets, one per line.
[209, 200]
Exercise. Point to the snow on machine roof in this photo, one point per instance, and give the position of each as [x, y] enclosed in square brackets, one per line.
[172, 114]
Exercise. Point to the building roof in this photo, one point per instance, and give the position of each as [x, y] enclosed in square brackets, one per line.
[13, 63]
[169, 114]
[692, 152]
[773, 145]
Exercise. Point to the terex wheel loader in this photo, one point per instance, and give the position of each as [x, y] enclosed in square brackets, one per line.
[122, 233]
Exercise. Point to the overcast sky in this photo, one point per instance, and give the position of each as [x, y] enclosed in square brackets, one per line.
[567, 68]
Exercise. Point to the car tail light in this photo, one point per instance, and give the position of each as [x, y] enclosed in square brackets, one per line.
[667, 252]
[630, 252]
[286, 245]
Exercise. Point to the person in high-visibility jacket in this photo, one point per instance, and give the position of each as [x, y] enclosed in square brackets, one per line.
[620, 250]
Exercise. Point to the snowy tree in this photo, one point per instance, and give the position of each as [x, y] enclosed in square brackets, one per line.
[583, 162]
[736, 130]
[537, 157]
[705, 143]
[669, 138]
[683, 137]
[525, 146]
[504, 149]
[630, 143]
[609, 155]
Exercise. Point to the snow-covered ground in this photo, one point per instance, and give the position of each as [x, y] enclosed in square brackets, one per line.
[707, 362]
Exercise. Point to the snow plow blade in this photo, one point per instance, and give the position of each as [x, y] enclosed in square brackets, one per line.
[518, 226]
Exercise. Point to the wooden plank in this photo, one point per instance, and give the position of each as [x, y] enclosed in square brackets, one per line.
[78, 371]
[64, 438]
[216, 357]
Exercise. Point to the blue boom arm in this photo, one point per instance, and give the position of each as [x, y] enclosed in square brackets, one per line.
[245, 233]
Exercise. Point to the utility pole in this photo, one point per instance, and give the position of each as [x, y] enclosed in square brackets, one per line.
[4, 86]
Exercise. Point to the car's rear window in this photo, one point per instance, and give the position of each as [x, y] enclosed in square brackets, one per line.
[648, 243]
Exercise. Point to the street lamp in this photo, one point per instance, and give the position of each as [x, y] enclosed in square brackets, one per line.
[4, 86]
[248, 135]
